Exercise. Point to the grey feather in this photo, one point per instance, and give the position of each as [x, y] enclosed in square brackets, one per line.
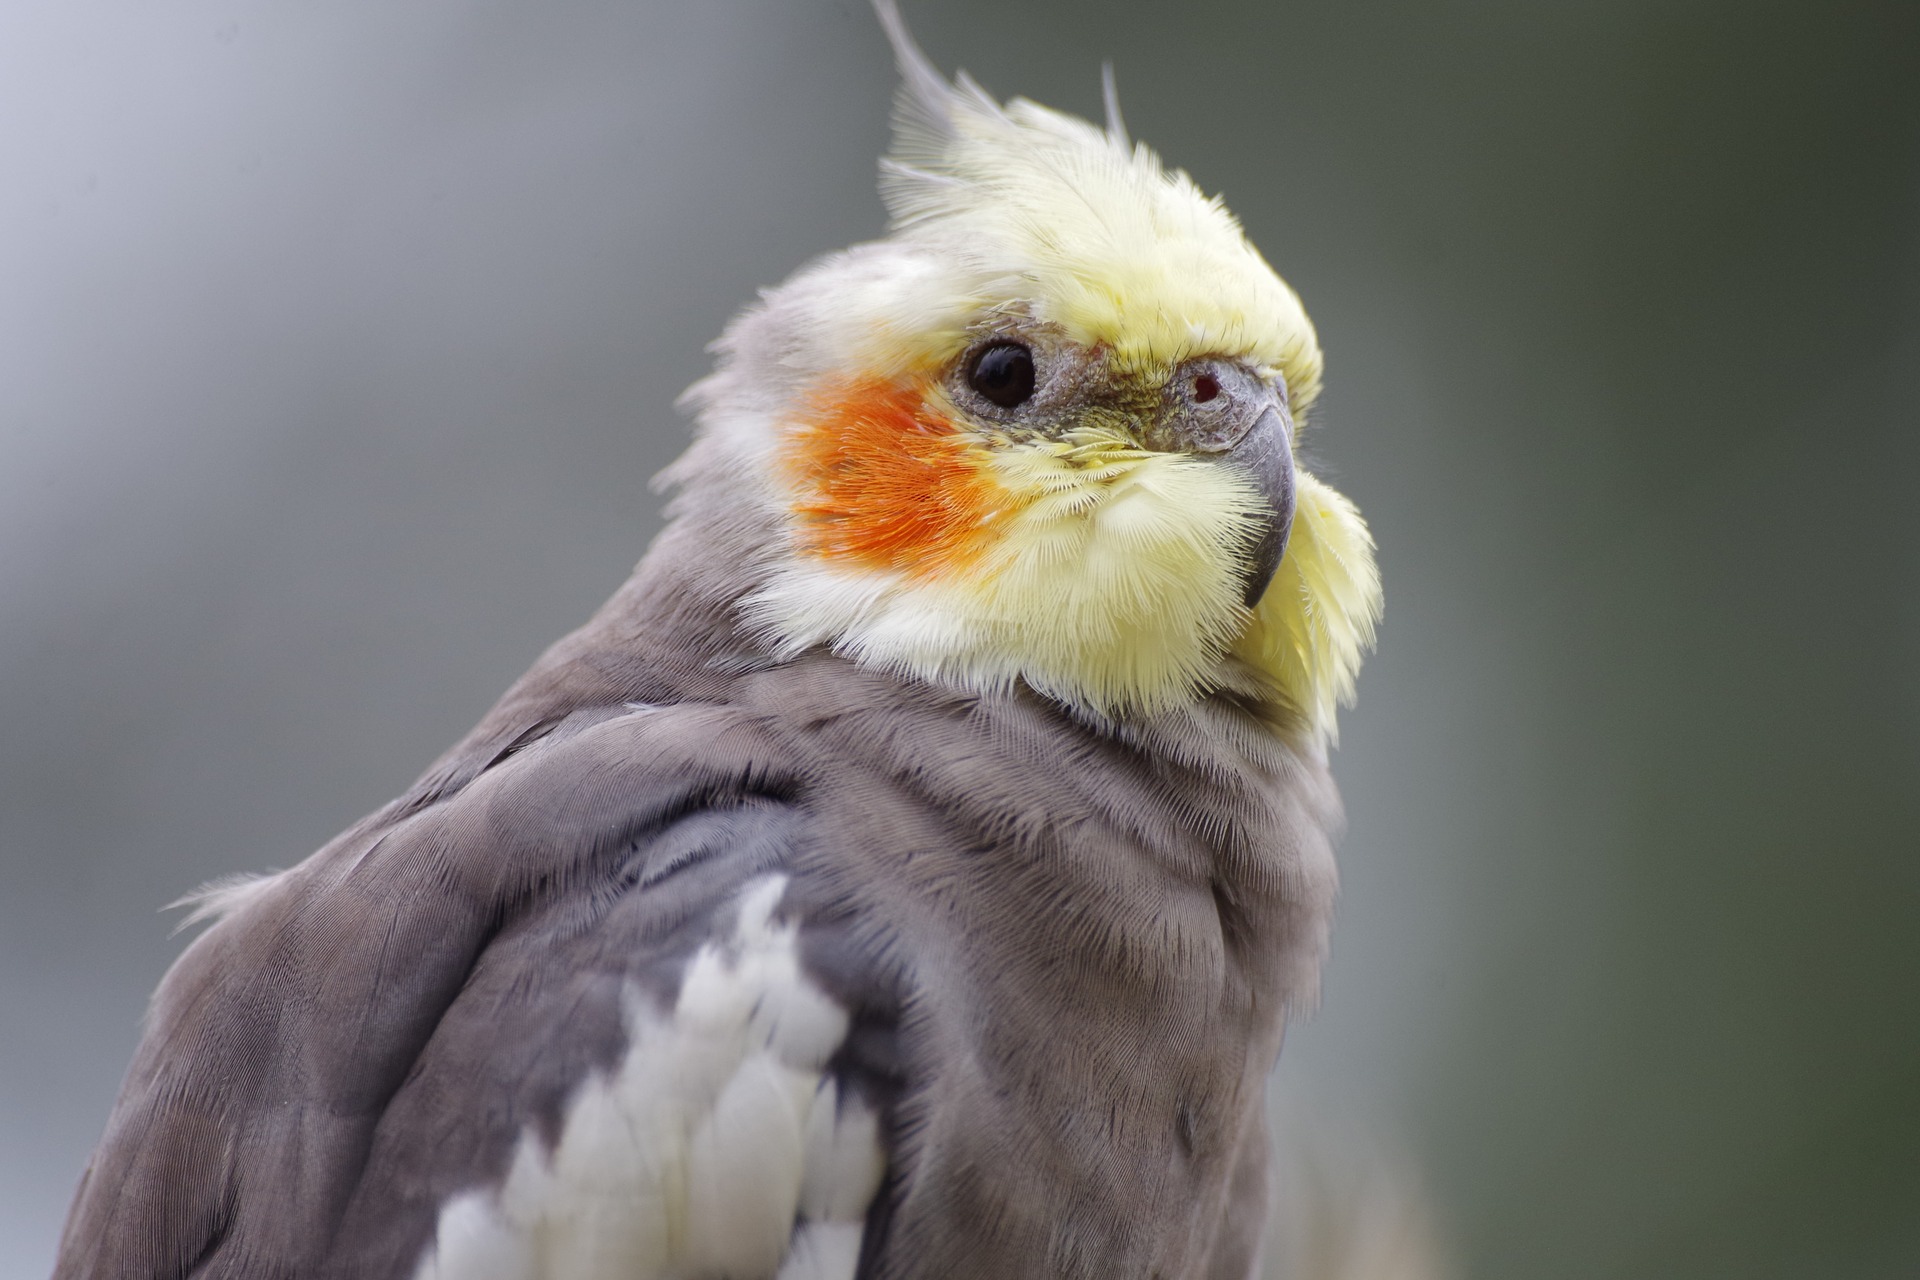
[1070, 949]
[1110, 99]
[926, 111]
[924, 103]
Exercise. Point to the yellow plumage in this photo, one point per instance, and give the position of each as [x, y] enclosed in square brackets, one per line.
[1112, 575]
[1097, 236]
[1317, 620]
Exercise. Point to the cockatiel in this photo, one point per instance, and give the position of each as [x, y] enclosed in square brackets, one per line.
[907, 873]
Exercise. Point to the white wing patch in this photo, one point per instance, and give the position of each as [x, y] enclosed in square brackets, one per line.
[823, 1251]
[718, 1148]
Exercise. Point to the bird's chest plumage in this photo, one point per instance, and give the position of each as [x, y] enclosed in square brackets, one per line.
[1085, 951]
[967, 1021]
[835, 976]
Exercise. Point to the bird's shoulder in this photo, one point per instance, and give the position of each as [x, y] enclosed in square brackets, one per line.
[567, 992]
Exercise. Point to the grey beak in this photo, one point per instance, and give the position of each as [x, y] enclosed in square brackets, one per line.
[1265, 455]
[1243, 423]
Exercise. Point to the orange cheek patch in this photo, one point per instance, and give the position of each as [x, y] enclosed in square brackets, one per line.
[885, 482]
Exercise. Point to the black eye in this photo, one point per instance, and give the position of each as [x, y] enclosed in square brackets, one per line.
[1003, 373]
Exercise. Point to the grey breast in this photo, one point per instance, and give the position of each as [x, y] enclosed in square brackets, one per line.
[1066, 951]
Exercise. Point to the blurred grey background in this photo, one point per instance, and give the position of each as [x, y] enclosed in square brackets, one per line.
[338, 343]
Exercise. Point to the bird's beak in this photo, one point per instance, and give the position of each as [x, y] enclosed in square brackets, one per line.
[1266, 455]
[1244, 425]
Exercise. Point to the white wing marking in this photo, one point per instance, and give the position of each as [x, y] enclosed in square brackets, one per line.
[717, 1148]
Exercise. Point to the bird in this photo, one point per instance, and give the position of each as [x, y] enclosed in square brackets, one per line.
[911, 871]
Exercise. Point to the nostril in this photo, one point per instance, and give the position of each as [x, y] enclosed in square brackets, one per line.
[1205, 388]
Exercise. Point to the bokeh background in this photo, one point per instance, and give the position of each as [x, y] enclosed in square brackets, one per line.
[338, 343]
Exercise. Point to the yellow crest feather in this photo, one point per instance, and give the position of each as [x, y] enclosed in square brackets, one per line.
[1089, 232]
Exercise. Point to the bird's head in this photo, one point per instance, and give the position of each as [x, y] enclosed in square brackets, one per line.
[1044, 432]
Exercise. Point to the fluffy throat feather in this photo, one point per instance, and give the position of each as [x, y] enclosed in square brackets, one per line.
[1093, 570]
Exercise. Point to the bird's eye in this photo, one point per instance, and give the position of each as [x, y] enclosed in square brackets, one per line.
[1003, 374]
[1205, 388]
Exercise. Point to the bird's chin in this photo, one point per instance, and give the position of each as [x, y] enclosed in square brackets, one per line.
[1117, 589]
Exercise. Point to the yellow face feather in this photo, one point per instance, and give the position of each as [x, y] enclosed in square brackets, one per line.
[1317, 620]
[1075, 559]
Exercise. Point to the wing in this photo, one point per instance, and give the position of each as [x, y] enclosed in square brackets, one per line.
[561, 1023]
